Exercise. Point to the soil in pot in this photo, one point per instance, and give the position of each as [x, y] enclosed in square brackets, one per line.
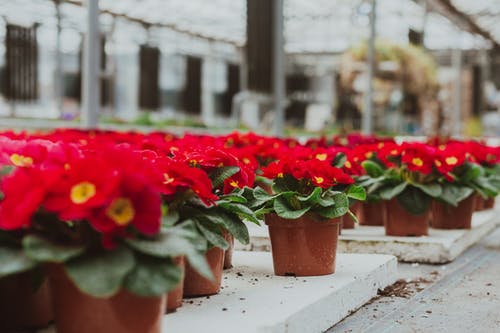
[400, 222]
[196, 285]
[77, 312]
[306, 246]
[174, 297]
[372, 213]
[23, 304]
[228, 254]
[449, 217]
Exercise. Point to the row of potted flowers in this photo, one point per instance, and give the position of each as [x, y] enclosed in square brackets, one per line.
[120, 220]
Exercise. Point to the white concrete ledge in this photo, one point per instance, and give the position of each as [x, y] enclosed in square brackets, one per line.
[441, 246]
[254, 300]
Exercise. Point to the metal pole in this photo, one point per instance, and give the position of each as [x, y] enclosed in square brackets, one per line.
[278, 69]
[58, 84]
[367, 117]
[91, 67]
[456, 59]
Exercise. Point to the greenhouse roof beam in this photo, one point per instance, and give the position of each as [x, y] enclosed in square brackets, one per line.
[172, 27]
[461, 19]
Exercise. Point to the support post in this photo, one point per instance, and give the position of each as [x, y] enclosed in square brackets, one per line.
[456, 59]
[59, 79]
[278, 77]
[91, 68]
[367, 116]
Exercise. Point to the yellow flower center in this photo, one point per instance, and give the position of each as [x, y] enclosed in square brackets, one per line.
[319, 180]
[121, 211]
[246, 160]
[380, 145]
[417, 161]
[438, 163]
[348, 165]
[394, 152]
[452, 160]
[21, 161]
[321, 157]
[167, 179]
[369, 154]
[280, 175]
[82, 192]
[234, 183]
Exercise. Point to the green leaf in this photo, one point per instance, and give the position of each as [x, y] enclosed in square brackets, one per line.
[198, 261]
[153, 277]
[285, 184]
[101, 274]
[434, 190]
[170, 219]
[240, 210]
[44, 250]
[340, 207]
[313, 197]
[372, 169]
[233, 197]
[13, 260]
[169, 243]
[473, 172]
[414, 201]
[390, 192]
[219, 175]
[237, 228]
[212, 234]
[356, 192]
[339, 160]
[284, 209]
[453, 194]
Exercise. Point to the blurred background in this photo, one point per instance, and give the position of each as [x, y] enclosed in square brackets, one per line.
[295, 67]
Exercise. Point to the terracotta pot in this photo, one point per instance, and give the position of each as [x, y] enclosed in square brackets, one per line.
[174, 297]
[372, 213]
[400, 222]
[22, 307]
[357, 209]
[489, 203]
[228, 254]
[306, 246]
[76, 312]
[196, 285]
[478, 202]
[449, 217]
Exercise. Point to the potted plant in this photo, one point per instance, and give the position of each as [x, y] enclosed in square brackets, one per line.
[94, 222]
[218, 219]
[460, 180]
[408, 184]
[310, 197]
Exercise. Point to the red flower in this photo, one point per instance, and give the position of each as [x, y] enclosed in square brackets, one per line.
[418, 157]
[23, 190]
[87, 183]
[134, 205]
[448, 157]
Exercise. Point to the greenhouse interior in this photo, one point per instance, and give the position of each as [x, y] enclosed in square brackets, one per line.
[254, 166]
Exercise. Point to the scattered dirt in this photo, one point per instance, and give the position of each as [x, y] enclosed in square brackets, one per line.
[403, 288]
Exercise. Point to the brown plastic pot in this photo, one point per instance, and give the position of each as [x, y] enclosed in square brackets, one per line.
[196, 285]
[22, 307]
[174, 297]
[478, 202]
[446, 216]
[400, 222]
[306, 246]
[228, 254]
[372, 213]
[77, 312]
[489, 203]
